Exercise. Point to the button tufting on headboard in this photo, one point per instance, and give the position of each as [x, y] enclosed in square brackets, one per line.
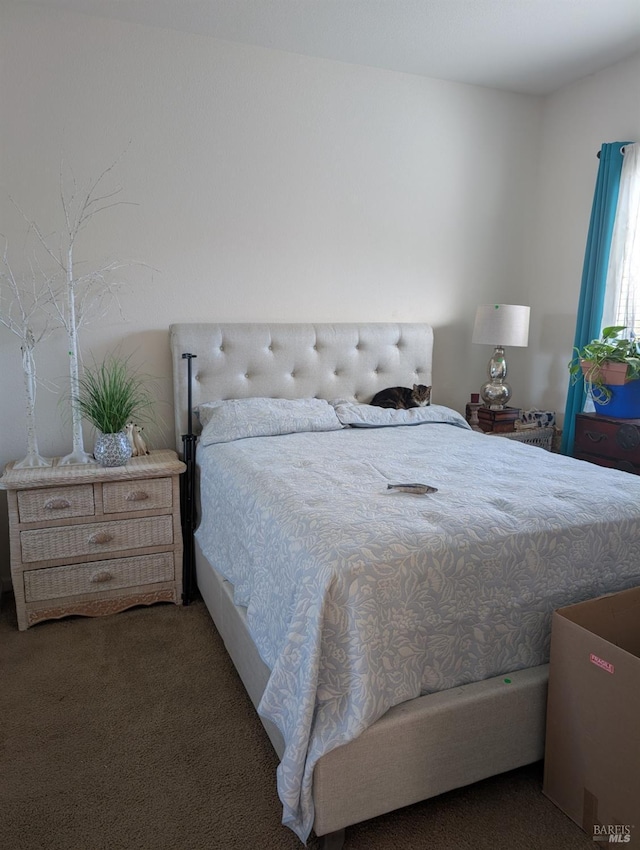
[297, 360]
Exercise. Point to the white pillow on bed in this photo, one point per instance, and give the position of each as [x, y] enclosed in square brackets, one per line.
[235, 419]
[370, 416]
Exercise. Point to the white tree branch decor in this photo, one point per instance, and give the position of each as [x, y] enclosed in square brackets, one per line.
[87, 296]
[23, 311]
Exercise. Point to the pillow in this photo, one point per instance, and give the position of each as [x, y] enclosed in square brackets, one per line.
[370, 416]
[224, 421]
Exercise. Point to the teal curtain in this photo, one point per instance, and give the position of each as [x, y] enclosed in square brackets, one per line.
[594, 274]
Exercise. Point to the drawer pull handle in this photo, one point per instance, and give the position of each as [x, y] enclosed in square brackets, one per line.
[595, 437]
[101, 537]
[136, 496]
[102, 576]
[56, 504]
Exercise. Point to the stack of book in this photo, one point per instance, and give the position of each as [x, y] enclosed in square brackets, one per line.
[498, 421]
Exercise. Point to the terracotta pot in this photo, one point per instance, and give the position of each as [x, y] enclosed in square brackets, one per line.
[611, 374]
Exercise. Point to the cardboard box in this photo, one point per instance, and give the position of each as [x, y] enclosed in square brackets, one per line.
[592, 748]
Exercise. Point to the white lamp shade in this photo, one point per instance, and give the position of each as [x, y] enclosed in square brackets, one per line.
[502, 325]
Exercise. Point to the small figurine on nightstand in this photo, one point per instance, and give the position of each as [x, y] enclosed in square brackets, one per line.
[471, 412]
[136, 440]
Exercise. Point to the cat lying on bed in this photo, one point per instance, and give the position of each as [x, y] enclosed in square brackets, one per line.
[403, 398]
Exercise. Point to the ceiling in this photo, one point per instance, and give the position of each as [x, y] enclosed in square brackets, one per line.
[528, 46]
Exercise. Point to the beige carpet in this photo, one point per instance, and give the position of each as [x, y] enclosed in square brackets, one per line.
[132, 732]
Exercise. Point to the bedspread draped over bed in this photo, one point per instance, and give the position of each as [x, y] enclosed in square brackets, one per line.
[359, 597]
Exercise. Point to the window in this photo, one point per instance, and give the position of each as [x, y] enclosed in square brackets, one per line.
[622, 297]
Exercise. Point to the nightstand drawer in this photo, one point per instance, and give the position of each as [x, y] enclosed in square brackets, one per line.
[124, 496]
[55, 503]
[46, 544]
[616, 440]
[56, 582]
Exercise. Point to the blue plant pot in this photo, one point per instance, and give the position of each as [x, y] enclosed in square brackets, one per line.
[624, 402]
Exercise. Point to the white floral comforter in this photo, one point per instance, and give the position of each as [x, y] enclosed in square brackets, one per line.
[359, 597]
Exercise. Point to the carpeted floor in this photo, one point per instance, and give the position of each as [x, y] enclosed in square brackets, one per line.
[133, 732]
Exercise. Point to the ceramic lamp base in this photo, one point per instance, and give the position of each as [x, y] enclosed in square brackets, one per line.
[496, 392]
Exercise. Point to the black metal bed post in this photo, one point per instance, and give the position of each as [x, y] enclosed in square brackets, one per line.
[188, 496]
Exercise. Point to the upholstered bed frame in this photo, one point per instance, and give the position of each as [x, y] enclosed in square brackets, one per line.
[420, 748]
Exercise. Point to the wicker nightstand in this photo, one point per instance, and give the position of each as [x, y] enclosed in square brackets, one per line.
[542, 437]
[93, 540]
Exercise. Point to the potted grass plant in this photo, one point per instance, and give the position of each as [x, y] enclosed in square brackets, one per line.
[610, 367]
[110, 394]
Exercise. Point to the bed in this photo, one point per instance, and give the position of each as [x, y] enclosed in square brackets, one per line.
[394, 645]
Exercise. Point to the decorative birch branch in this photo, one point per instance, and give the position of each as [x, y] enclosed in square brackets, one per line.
[86, 295]
[24, 303]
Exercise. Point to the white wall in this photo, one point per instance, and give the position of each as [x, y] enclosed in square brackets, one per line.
[270, 186]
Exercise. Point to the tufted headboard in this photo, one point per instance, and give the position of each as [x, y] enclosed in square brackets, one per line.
[328, 361]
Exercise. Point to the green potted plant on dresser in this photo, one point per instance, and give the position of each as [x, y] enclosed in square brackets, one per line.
[110, 395]
[610, 367]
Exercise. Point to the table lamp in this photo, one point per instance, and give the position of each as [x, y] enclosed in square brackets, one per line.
[500, 325]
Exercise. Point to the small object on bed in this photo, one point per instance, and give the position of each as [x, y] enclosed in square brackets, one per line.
[403, 398]
[416, 489]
